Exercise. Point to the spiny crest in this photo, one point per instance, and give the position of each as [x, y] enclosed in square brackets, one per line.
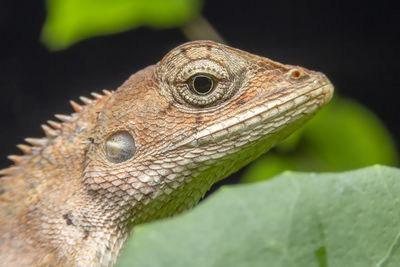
[52, 129]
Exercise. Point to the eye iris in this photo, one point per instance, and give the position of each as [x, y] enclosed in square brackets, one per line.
[202, 84]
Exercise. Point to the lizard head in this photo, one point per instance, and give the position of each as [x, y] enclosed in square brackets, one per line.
[205, 110]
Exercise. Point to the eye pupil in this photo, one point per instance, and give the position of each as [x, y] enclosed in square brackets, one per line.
[202, 84]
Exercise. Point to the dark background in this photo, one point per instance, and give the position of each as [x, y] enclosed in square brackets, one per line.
[354, 42]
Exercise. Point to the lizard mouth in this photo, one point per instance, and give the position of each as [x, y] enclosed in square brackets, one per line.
[264, 119]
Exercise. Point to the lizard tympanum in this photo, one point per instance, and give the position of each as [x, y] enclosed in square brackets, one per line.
[148, 150]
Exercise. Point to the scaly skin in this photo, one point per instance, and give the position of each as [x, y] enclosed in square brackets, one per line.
[74, 196]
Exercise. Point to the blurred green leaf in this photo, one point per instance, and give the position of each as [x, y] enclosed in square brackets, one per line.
[69, 21]
[343, 136]
[296, 219]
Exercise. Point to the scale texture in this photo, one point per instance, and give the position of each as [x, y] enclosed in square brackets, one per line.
[148, 150]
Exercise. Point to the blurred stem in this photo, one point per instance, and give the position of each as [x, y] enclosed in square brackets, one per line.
[199, 28]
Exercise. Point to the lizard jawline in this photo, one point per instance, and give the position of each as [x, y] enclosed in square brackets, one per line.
[261, 116]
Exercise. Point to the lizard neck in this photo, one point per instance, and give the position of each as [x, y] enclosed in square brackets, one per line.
[45, 202]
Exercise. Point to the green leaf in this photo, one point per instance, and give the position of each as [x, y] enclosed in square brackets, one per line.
[345, 135]
[296, 219]
[69, 21]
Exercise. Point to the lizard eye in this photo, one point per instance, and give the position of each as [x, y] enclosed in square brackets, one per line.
[202, 84]
[197, 79]
[120, 147]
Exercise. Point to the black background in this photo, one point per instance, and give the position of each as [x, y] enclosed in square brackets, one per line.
[354, 42]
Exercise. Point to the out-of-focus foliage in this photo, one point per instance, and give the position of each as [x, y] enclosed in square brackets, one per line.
[343, 136]
[69, 21]
[295, 219]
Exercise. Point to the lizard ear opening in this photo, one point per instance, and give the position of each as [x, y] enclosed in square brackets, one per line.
[120, 147]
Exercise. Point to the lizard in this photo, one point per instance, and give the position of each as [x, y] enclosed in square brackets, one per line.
[148, 150]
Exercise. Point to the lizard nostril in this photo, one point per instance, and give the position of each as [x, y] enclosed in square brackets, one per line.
[295, 74]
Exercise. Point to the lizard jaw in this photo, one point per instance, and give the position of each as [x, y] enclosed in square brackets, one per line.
[269, 116]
